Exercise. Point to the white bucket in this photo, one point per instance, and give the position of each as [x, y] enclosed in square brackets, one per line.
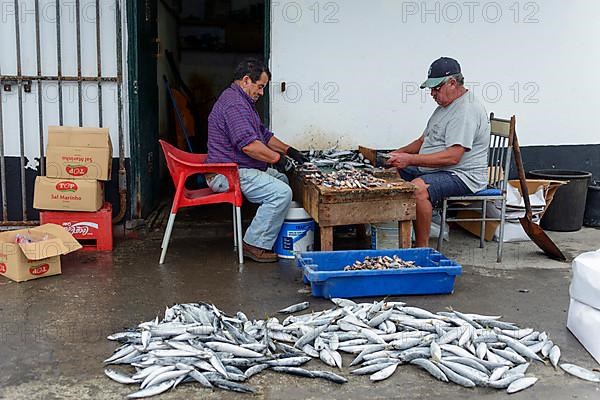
[384, 235]
[297, 233]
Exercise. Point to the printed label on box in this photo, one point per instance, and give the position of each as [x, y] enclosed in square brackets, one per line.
[38, 270]
[69, 195]
[80, 228]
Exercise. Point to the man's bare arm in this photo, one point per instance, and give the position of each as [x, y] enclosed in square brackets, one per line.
[444, 158]
[259, 151]
[277, 145]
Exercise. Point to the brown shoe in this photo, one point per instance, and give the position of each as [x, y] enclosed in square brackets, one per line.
[257, 254]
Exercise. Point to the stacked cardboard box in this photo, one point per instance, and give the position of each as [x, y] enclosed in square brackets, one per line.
[77, 161]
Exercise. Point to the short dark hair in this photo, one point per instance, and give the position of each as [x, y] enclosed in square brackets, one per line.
[251, 67]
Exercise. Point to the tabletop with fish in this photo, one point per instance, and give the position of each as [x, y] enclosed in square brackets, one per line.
[343, 170]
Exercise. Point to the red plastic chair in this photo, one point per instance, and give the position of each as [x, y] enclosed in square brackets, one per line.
[181, 166]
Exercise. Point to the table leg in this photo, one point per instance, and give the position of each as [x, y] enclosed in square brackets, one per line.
[326, 238]
[404, 233]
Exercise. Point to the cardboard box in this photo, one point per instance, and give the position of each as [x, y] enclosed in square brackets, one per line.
[40, 258]
[78, 153]
[474, 227]
[67, 194]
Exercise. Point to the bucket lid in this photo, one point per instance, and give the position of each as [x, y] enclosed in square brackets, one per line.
[296, 212]
[560, 174]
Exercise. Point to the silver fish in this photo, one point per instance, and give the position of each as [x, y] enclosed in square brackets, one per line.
[330, 376]
[554, 355]
[431, 368]
[454, 377]
[546, 348]
[255, 370]
[294, 371]
[519, 369]
[201, 379]
[510, 356]
[237, 351]
[369, 369]
[288, 361]
[472, 374]
[498, 372]
[505, 382]
[167, 376]
[436, 351]
[156, 373]
[233, 386]
[521, 384]
[152, 390]
[384, 373]
[519, 347]
[119, 377]
[311, 351]
[295, 308]
[580, 372]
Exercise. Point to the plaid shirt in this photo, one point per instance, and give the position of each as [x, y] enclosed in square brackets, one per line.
[233, 124]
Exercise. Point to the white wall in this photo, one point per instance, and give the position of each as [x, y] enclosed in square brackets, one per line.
[8, 66]
[357, 65]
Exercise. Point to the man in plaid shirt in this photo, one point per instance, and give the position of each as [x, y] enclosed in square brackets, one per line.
[236, 134]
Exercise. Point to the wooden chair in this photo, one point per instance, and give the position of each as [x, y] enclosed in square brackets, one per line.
[499, 157]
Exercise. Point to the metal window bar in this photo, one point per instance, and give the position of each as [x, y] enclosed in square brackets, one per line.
[59, 64]
[3, 167]
[38, 47]
[21, 131]
[20, 80]
[78, 45]
[99, 63]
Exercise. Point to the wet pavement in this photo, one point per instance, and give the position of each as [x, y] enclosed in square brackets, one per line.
[53, 330]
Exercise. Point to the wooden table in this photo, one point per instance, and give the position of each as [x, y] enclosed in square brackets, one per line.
[333, 207]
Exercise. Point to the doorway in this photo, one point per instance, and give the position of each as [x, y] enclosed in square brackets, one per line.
[201, 42]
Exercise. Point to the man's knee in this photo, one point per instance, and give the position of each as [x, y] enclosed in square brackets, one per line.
[282, 195]
[421, 193]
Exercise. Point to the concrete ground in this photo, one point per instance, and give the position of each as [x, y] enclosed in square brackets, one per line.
[53, 330]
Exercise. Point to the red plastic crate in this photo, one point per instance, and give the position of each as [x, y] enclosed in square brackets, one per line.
[93, 228]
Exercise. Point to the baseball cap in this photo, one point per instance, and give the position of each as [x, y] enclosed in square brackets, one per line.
[440, 70]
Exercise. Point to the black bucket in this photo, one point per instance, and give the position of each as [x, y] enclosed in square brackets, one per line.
[565, 213]
[592, 206]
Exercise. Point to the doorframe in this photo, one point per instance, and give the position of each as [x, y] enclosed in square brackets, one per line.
[139, 205]
[267, 59]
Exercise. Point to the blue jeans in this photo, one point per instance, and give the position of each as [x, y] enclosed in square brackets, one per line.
[271, 190]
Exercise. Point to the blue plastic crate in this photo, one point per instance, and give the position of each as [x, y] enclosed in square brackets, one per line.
[324, 270]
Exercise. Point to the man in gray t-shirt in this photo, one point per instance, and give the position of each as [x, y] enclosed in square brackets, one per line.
[450, 158]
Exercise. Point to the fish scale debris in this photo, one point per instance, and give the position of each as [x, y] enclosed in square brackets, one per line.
[380, 262]
[197, 342]
[347, 179]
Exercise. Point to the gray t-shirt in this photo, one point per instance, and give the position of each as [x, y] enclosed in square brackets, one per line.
[464, 122]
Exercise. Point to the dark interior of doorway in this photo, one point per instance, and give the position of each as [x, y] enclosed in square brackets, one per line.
[200, 43]
[206, 40]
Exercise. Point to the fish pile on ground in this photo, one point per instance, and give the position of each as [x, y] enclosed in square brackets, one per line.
[346, 179]
[380, 262]
[337, 159]
[197, 342]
